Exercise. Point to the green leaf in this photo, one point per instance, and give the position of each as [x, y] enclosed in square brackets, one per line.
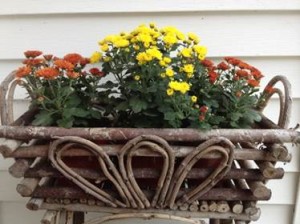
[66, 122]
[77, 112]
[95, 114]
[66, 91]
[122, 106]
[169, 116]
[73, 101]
[137, 105]
[235, 116]
[43, 118]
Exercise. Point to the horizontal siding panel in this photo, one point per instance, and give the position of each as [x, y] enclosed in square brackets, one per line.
[16, 212]
[18, 7]
[8, 186]
[276, 214]
[237, 34]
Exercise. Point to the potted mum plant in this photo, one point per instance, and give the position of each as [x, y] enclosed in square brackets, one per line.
[153, 126]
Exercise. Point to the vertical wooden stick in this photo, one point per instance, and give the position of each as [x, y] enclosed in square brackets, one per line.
[49, 216]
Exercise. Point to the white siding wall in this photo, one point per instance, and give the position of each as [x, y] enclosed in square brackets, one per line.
[266, 33]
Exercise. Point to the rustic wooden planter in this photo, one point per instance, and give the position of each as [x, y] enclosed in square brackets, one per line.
[178, 174]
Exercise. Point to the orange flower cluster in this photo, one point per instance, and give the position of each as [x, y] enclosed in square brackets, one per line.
[246, 71]
[32, 54]
[23, 71]
[63, 64]
[47, 73]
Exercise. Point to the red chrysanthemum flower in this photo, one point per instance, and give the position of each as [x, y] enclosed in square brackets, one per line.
[253, 82]
[47, 73]
[244, 65]
[256, 73]
[242, 73]
[23, 71]
[233, 61]
[84, 61]
[32, 54]
[73, 58]
[207, 63]
[96, 72]
[223, 66]
[63, 64]
[203, 109]
[212, 76]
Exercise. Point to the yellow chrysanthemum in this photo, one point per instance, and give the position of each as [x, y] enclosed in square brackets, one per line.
[201, 51]
[137, 77]
[183, 87]
[189, 75]
[143, 57]
[145, 38]
[170, 92]
[155, 53]
[121, 43]
[187, 52]
[96, 57]
[169, 72]
[167, 60]
[194, 99]
[163, 75]
[189, 68]
[170, 39]
[104, 47]
[194, 37]
[162, 63]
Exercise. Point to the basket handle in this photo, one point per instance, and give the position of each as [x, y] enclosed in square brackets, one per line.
[285, 99]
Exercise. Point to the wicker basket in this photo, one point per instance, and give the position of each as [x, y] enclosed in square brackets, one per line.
[176, 174]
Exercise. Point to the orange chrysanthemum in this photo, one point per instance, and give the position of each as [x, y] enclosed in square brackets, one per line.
[33, 62]
[63, 64]
[23, 71]
[253, 82]
[32, 54]
[73, 75]
[47, 73]
[73, 58]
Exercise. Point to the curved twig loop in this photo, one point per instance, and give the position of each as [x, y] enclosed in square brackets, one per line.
[107, 166]
[285, 99]
[220, 145]
[155, 144]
